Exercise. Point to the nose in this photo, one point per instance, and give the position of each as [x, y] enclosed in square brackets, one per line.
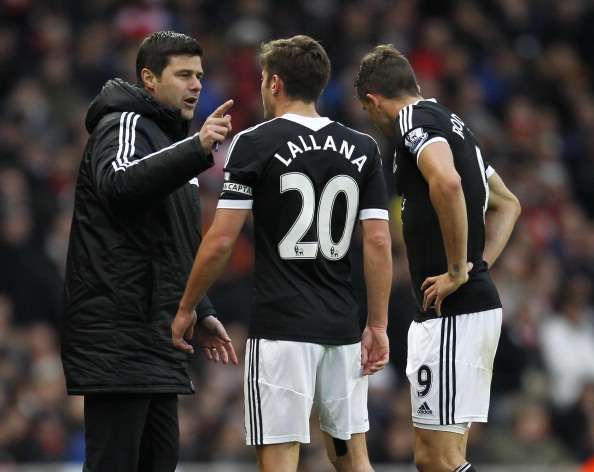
[196, 84]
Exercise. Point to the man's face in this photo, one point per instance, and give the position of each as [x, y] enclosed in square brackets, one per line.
[268, 102]
[378, 117]
[179, 85]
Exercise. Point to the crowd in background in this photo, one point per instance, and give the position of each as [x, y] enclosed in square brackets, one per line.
[520, 73]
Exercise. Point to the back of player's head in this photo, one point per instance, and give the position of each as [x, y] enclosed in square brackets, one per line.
[386, 71]
[156, 49]
[301, 62]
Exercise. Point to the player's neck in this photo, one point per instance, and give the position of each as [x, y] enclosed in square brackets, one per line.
[405, 101]
[297, 108]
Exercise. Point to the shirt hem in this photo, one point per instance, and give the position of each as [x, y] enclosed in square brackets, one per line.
[305, 339]
[145, 389]
[421, 317]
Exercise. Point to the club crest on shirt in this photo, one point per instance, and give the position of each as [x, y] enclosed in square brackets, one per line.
[415, 139]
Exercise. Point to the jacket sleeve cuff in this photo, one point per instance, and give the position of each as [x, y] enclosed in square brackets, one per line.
[203, 159]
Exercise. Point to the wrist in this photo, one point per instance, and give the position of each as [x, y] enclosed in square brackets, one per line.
[457, 272]
[186, 309]
[377, 326]
[201, 148]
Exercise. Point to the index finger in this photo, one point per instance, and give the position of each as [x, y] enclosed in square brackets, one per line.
[428, 281]
[222, 109]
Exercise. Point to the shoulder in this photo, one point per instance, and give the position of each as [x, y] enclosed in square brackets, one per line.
[111, 120]
[122, 122]
[419, 114]
[258, 130]
[247, 142]
[363, 139]
[253, 133]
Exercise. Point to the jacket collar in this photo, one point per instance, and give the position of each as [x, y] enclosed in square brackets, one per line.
[118, 95]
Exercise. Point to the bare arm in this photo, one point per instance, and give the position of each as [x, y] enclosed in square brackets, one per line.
[212, 258]
[213, 255]
[377, 265]
[436, 163]
[503, 212]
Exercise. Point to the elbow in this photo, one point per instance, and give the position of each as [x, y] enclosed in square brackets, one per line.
[223, 244]
[515, 207]
[117, 190]
[446, 187]
[380, 240]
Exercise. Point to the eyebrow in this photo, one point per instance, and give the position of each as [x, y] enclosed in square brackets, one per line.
[189, 71]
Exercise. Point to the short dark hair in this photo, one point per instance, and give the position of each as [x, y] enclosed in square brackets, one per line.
[156, 49]
[301, 62]
[386, 71]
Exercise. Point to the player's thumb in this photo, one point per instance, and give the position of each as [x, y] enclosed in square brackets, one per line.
[470, 265]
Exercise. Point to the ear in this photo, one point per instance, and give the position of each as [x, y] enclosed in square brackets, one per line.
[276, 84]
[374, 99]
[148, 79]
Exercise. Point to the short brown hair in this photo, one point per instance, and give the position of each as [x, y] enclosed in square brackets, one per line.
[386, 71]
[301, 62]
[156, 50]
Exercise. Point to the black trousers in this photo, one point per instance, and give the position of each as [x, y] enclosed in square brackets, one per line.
[131, 433]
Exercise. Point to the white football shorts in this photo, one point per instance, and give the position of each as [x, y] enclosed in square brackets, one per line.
[284, 379]
[450, 366]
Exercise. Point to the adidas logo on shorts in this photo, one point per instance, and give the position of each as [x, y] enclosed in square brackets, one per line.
[424, 409]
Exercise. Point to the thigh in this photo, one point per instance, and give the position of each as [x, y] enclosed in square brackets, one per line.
[341, 392]
[348, 455]
[160, 443]
[279, 384]
[114, 425]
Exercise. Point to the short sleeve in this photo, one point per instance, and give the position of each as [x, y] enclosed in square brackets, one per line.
[486, 166]
[374, 199]
[420, 127]
[242, 172]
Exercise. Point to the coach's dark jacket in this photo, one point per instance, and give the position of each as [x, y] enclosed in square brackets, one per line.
[135, 232]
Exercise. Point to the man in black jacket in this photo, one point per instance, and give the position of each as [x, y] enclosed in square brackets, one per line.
[135, 230]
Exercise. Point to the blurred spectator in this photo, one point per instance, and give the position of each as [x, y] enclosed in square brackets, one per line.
[530, 441]
[568, 343]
